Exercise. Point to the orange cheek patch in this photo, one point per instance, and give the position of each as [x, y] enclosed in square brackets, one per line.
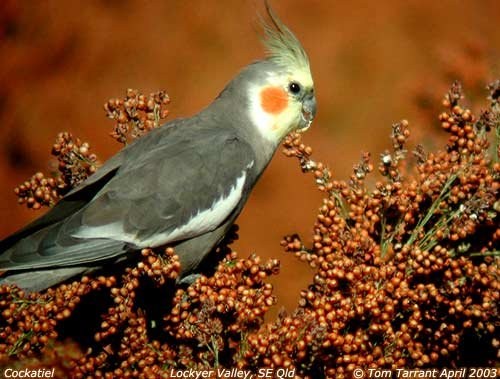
[273, 99]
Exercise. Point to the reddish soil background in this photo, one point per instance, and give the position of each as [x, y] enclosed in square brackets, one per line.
[374, 63]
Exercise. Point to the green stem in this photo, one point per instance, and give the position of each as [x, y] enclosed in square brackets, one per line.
[430, 212]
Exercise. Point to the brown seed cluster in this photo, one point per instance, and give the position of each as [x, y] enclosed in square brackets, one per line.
[122, 345]
[29, 320]
[213, 315]
[39, 191]
[407, 272]
[137, 114]
[75, 164]
[31, 323]
[203, 325]
[406, 276]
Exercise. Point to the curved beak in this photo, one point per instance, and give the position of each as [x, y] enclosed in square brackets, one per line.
[308, 112]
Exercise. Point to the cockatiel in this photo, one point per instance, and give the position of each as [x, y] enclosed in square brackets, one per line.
[183, 184]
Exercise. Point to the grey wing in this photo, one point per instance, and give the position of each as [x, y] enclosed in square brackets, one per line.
[183, 192]
[21, 248]
[175, 192]
[81, 195]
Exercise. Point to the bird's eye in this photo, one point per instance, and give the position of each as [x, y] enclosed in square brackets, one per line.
[294, 87]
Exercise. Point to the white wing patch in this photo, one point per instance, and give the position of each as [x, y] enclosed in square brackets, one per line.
[202, 222]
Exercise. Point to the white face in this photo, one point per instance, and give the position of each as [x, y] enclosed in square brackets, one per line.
[277, 108]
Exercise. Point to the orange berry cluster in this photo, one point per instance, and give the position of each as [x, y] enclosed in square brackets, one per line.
[102, 313]
[122, 345]
[212, 316]
[39, 191]
[75, 164]
[137, 114]
[29, 320]
[407, 272]
[133, 326]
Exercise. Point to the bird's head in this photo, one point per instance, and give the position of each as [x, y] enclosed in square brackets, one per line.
[282, 99]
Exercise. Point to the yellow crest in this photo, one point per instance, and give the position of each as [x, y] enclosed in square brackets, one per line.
[281, 44]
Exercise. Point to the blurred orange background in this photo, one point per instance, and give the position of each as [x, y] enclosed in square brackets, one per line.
[374, 63]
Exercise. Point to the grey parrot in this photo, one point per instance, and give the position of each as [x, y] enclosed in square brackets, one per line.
[181, 185]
